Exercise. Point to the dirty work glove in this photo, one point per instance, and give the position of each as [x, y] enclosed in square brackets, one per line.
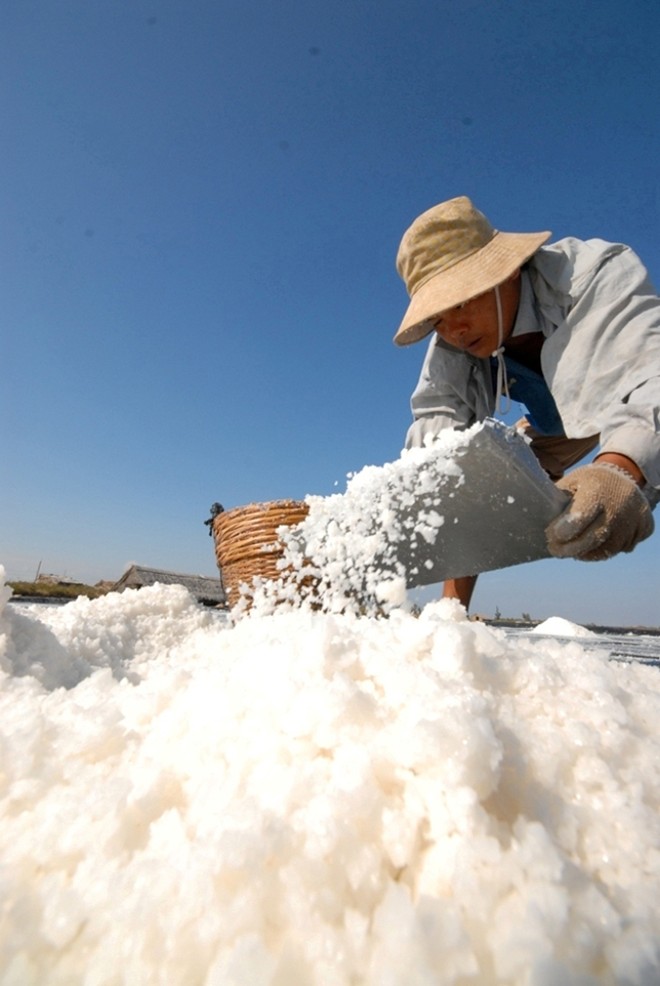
[608, 514]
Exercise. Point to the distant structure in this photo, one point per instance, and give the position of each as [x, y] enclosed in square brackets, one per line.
[106, 585]
[206, 590]
[46, 579]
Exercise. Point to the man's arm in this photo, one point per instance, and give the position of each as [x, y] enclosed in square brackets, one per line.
[622, 462]
[460, 589]
[446, 395]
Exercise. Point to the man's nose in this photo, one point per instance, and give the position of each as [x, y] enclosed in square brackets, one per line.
[457, 329]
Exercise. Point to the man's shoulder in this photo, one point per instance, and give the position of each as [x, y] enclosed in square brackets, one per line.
[568, 261]
[573, 250]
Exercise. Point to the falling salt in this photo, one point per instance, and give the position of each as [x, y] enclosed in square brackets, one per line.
[350, 541]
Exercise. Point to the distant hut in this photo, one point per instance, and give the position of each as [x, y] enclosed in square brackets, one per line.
[206, 590]
[45, 579]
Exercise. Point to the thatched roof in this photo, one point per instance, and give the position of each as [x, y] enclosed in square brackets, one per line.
[206, 590]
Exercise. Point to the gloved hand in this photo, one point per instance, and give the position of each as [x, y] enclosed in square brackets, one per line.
[608, 514]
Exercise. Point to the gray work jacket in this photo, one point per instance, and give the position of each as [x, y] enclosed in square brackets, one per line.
[600, 316]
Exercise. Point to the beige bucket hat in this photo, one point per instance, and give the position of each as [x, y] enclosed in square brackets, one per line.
[450, 254]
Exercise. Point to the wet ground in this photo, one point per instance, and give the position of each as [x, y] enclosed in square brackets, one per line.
[621, 644]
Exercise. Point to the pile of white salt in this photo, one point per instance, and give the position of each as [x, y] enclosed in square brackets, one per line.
[311, 798]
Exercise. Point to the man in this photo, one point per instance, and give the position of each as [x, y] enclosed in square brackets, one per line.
[572, 331]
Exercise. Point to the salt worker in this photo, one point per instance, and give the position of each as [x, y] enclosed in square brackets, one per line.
[569, 329]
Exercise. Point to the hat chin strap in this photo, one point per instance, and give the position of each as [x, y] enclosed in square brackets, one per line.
[502, 386]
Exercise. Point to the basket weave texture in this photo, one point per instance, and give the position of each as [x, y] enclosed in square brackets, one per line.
[246, 541]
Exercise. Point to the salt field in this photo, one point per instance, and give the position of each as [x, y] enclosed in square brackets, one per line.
[298, 797]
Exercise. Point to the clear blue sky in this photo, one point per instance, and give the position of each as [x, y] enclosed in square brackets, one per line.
[201, 206]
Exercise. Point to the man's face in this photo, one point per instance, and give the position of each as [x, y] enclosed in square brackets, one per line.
[473, 326]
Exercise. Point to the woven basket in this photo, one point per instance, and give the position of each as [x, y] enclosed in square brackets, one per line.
[246, 542]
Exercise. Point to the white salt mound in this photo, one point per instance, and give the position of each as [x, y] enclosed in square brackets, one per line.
[310, 798]
[559, 627]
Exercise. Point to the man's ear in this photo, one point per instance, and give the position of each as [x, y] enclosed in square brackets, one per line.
[514, 276]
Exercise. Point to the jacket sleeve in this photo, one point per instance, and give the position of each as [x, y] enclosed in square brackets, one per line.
[633, 429]
[448, 395]
[606, 356]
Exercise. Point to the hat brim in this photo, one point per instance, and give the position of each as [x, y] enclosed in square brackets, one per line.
[472, 276]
